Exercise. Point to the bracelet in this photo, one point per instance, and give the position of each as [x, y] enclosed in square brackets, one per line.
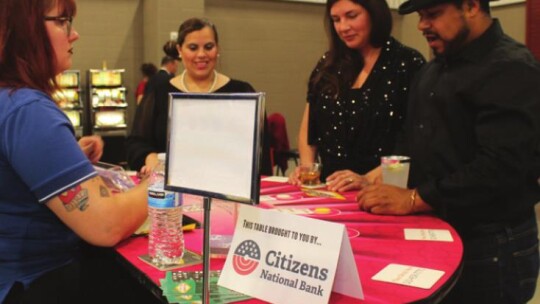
[413, 200]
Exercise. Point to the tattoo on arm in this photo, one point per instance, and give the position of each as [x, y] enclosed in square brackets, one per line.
[103, 191]
[75, 198]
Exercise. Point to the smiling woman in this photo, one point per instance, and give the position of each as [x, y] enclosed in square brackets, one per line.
[198, 49]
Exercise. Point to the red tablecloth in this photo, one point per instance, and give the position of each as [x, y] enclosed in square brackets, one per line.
[376, 242]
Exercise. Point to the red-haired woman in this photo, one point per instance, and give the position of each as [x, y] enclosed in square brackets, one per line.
[50, 195]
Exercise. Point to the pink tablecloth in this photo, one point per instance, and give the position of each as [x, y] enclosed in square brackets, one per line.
[376, 242]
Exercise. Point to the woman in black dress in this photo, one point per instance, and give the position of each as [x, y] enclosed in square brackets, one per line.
[357, 94]
[198, 50]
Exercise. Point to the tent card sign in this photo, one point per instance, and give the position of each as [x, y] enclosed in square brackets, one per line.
[285, 258]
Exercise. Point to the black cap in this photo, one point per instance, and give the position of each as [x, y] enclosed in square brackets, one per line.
[410, 6]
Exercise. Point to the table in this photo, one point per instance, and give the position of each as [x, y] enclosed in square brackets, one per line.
[376, 241]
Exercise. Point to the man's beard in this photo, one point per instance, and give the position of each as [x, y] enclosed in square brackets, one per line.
[454, 45]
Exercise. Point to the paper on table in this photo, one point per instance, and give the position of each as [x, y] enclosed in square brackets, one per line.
[277, 179]
[409, 275]
[441, 235]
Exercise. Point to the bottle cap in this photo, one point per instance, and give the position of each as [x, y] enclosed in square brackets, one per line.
[161, 156]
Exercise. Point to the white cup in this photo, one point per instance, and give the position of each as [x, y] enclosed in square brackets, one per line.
[395, 170]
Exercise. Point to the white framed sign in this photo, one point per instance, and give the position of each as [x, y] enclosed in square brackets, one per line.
[214, 145]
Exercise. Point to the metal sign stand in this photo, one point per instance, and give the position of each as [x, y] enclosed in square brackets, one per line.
[206, 251]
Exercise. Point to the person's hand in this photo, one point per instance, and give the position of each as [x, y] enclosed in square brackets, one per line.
[294, 177]
[386, 199]
[150, 163]
[92, 147]
[144, 173]
[374, 176]
[345, 180]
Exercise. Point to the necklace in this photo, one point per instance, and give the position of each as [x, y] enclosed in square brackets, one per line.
[183, 79]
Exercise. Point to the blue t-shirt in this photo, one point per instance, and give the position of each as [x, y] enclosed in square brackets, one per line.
[39, 159]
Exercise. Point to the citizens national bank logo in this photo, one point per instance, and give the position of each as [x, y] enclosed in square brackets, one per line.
[246, 257]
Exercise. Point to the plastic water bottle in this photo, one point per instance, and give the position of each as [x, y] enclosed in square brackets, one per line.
[166, 239]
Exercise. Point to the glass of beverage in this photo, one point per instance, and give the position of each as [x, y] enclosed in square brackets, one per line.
[310, 174]
[395, 170]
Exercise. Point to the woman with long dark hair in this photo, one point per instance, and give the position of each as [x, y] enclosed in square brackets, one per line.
[357, 93]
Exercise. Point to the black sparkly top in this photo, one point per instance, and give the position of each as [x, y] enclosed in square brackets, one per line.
[355, 129]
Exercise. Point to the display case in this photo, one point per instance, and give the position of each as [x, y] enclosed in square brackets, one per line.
[107, 102]
[69, 98]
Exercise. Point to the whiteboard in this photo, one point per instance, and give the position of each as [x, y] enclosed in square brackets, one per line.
[214, 145]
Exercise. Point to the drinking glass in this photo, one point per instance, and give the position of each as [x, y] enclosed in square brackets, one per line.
[395, 170]
[310, 174]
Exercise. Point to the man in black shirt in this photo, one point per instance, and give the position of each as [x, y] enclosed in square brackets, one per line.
[472, 132]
